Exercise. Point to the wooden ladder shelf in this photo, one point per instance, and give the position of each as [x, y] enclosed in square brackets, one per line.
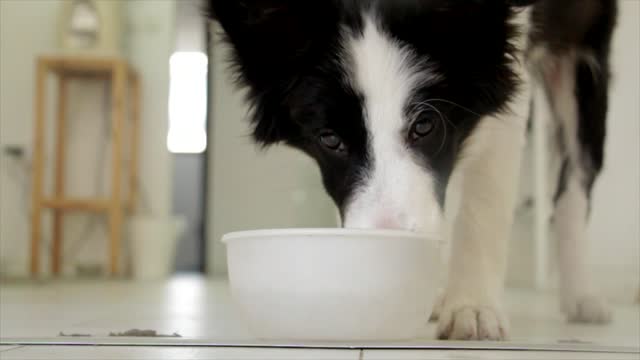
[122, 78]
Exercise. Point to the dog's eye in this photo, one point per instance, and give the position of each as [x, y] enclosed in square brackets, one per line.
[331, 141]
[420, 128]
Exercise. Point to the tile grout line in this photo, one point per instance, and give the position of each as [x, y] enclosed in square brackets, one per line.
[12, 348]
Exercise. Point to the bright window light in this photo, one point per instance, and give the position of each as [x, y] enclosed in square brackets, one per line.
[187, 102]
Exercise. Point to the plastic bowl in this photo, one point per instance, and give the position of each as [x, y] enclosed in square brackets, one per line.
[333, 284]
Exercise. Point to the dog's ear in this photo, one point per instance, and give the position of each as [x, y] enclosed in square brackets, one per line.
[271, 35]
[521, 3]
[272, 42]
[514, 3]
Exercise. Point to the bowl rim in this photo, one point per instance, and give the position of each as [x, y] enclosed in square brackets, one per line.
[314, 232]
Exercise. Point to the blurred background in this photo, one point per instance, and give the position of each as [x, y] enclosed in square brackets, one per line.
[198, 174]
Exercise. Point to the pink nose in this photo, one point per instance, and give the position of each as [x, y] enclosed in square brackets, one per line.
[388, 222]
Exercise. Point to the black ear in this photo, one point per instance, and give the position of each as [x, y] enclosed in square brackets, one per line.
[273, 41]
[521, 3]
[271, 34]
[514, 3]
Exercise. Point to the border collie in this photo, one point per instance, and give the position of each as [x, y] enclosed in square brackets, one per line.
[416, 113]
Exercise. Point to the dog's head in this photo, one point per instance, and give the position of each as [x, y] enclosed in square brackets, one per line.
[382, 94]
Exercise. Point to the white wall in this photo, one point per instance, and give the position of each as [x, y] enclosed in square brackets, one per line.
[28, 29]
[20, 41]
[151, 41]
[249, 189]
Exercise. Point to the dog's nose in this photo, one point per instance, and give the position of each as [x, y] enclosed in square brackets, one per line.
[388, 222]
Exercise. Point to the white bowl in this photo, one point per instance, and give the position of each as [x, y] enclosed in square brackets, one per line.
[333, 284]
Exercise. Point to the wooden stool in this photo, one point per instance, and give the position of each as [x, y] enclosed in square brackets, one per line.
[121, 75]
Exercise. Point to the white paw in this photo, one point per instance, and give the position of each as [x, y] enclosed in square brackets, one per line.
[472, 323]
[587, 309]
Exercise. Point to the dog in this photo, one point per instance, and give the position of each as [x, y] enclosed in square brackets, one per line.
[416, 112]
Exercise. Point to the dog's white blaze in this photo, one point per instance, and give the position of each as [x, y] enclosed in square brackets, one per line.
[396, 192]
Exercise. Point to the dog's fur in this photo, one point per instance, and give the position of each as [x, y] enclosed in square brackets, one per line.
[413, 110]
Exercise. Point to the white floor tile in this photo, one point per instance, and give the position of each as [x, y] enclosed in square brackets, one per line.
[198, 308]
[192, 307]
[536, 317]
[8, 347]
[173, 353]
[480, 355]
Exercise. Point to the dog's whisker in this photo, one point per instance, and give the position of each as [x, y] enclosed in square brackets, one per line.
[435, 109]
[455, 104]
[443, 119]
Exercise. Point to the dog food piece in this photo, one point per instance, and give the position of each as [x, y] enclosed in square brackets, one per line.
[73, 335]
[143, 333]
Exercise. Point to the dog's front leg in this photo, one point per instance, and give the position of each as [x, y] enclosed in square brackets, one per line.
[486, 179]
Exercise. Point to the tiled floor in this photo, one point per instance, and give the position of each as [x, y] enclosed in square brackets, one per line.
[201, 311]
[159, 353]
[494, 355]
[8, 347]
[173, 353]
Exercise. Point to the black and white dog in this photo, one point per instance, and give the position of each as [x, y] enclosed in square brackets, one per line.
[413, 111]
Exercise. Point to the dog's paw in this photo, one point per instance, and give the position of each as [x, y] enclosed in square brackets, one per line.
[472, 323]
[587, 309]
